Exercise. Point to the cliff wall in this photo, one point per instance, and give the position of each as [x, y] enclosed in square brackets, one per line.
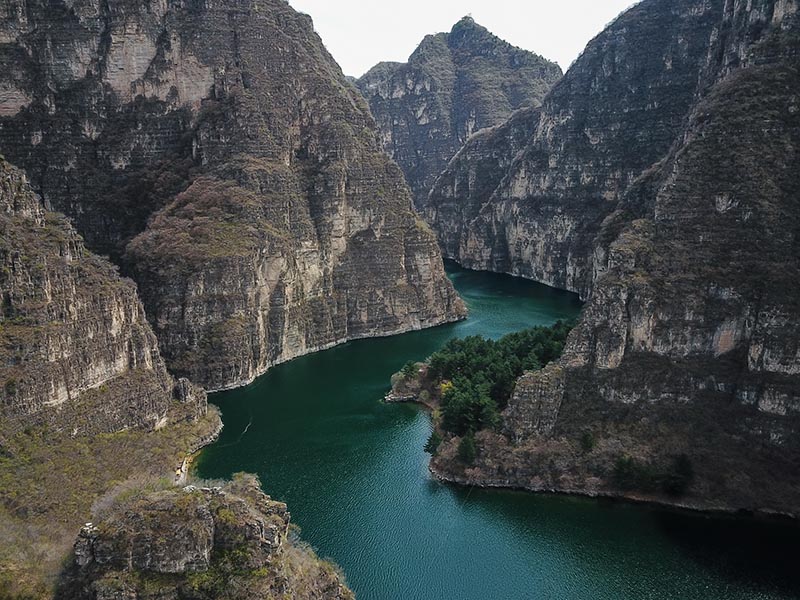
[672, 205]
[77, 351]
[217, 153]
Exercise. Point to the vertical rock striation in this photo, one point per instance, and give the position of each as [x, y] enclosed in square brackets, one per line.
[453, 85]
[219, 154]
[659, 181]
[77, 351]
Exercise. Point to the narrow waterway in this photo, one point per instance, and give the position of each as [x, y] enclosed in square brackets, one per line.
[354, 474]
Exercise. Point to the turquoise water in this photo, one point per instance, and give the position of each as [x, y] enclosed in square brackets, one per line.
[355, 477]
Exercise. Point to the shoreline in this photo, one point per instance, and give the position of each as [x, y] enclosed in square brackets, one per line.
[698, 509]
[182, 472]
[622, 498]
[242, 383]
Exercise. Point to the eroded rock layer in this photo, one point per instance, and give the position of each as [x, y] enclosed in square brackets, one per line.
[76, 349]
[660, 181]
[226, 542]
[219, 153]
[453, 85]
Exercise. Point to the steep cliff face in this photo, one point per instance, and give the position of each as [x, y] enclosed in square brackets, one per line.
[613, 115]
[222, 543]
[685, 366]
[77, 350]
[452, 86]
[218, 152]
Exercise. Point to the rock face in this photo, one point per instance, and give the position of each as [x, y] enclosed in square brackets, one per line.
[194, 543]
[452, 86]
[660, 181]
[77, 351]
[218, 153]
[531, 195]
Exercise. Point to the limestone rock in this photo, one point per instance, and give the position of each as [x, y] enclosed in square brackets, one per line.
[223, 542]
[611, 117]
[216, 151]
[77, 351]
[659, 180]
[454, 85]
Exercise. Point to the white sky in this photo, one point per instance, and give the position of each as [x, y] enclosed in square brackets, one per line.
[361, 33]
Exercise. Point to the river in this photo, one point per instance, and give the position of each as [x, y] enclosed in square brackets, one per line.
[355, 477]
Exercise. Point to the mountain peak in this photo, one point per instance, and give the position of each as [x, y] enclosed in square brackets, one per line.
[467, 33]
[466, 25]
[467, 20]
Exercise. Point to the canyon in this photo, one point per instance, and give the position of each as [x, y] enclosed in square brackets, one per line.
[89, 413]
[192, 193]
[219, 156]
[197, 194]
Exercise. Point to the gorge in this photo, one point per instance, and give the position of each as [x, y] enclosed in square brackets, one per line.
[218, 154]
[658, 179]
[193, 194]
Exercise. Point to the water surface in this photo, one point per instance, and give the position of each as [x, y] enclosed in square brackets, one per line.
[354, 474]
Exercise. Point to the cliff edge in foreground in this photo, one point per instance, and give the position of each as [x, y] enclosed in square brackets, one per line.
[222, 543]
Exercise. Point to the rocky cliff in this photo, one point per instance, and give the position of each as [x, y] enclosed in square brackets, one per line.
[452, 86]
[659, 179]
[533, 193]
[77, 351]
[217, 152]
[223, 542]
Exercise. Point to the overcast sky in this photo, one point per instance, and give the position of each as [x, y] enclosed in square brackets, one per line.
[361, 33]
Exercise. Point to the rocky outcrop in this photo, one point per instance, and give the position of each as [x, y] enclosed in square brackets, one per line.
[452, 86]
[77, 351]
[660, 182]
[216, 151]
[223, 542]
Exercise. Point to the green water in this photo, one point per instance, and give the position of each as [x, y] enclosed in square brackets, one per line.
[355, 477]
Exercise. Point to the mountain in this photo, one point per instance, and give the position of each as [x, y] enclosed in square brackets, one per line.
[218, 154]
[91, 422]
[453, 85]
[659, 180]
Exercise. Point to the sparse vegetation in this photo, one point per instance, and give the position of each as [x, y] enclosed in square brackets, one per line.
[433, 443]
[238, 565]
[467, 450]
[588, 442]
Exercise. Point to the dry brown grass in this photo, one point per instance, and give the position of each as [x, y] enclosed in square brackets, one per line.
[51, 484]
